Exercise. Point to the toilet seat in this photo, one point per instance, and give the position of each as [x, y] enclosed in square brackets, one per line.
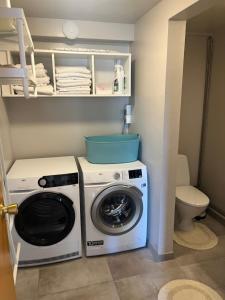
[191, 196]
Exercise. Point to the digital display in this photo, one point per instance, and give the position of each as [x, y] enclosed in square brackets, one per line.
[135, 174]
[58, 180]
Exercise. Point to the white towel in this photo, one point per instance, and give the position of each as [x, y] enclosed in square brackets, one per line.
[42, 90]
[74, 88]
[71, 69]
[74, 93]
[73, 75]
[73, 83]
[39, 73]
[29, 67]
[43, 80]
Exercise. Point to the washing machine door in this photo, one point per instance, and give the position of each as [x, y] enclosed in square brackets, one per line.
[117, 209]
[45, 218]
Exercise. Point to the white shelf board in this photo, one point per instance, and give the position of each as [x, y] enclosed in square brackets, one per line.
[68, 96]
[88, 53]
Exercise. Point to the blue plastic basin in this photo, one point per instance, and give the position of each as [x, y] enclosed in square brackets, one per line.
[112, 149]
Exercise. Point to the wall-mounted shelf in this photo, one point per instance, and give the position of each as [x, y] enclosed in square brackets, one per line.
[101, 66]
[15, 36]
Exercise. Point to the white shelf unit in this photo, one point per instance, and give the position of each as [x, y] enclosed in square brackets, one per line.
[15, 36]
[101, 66]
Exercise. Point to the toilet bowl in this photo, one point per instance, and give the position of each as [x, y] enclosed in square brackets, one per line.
[190, 202]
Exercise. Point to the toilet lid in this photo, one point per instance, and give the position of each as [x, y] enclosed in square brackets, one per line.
[192, 196]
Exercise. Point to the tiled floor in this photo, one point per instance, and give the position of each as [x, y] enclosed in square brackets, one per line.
[126, 276]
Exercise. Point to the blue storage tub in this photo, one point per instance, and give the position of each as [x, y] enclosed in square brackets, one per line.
[112, 149]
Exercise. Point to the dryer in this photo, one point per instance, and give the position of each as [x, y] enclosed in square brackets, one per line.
[115, 202]
[48, 222]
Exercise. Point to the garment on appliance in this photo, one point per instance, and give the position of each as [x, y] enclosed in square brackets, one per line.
[48, 223]
[114, 205]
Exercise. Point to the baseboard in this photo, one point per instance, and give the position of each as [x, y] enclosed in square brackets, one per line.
[217, 215]
[160, 257]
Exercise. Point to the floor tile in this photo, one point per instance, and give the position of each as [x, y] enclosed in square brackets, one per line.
[185, 256]
[73, 274]
[168, 275]
[214, 225]
[27, 284]
[137, 287]
[136, 262]
[101, 291]
[210, 272]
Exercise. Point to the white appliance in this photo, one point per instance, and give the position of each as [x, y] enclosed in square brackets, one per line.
[48, 223]
[115, 206]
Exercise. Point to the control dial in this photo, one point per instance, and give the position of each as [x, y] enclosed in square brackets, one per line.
[116, 176]
[42, 182]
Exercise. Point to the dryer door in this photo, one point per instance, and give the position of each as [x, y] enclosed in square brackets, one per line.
[117, 209]
[45, 218]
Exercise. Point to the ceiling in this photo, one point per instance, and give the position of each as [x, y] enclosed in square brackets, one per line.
[119, 11]
[210, 21]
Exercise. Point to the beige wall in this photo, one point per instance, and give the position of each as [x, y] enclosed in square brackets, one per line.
[5, 136]
[151, 43]
[51, 127]
[192, 101]
[213, 158]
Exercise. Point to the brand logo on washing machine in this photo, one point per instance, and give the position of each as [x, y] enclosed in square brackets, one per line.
[95, 243]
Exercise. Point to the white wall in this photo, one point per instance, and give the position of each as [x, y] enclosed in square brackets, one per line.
[192, 101]
[151, 43]
[51, 127]
[157, 98]
[43, 27]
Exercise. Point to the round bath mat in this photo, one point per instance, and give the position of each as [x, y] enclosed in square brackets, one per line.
[200, 238]
[184, 289]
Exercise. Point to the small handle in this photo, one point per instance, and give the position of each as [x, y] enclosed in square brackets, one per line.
[11, 209]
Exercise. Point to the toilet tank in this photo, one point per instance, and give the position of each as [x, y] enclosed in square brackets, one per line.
[183, 175]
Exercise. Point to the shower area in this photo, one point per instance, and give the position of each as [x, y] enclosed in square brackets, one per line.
[202, 122]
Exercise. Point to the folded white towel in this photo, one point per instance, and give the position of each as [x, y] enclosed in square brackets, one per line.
[76, 88]
[71, 69]
[74, 93]
[39, 73]
[73, 83]
[43, 80]
[42, 90]
[73, 75]
[73, 80]
[29, 67]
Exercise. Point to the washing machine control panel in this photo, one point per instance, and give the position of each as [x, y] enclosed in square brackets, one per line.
[58, 180]
[135, 174]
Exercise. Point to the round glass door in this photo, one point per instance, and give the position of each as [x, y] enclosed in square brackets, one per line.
[117, 209]
[45, 218]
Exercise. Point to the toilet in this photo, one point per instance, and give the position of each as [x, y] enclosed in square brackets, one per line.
[190, 202]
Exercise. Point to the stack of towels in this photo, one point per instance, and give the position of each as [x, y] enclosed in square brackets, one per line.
[42, 81]
[73, 80]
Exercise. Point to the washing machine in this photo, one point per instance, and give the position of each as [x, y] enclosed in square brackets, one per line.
[48, 222]
[115, 201]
